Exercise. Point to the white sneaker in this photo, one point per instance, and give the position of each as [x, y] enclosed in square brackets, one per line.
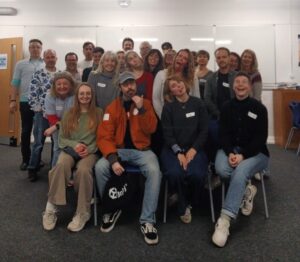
[187, 217]
[257, 176]
[221, 233]
[247, 204]
[78, 222]
[49, 219]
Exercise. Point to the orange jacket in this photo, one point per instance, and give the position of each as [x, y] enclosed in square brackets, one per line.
[111, 132]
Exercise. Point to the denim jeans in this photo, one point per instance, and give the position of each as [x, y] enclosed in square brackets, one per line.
[39, 127]
[239, 177]
[187, 184]
[26, 128]
[148, 164]
[55, 148]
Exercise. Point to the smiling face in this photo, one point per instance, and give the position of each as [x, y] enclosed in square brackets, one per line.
[247, 60]
[234, 62]
[71, 63]
[108, 64]
[50, 58]
[127, 45]
[222, 59]
[84, 95]
[241, 87]
[62, 87]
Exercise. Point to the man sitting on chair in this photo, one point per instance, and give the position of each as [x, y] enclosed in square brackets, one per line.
[243, 153]
[124, 135]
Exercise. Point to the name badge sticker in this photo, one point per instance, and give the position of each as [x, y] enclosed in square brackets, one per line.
[191, 114]
[202, 80]
[135, 111]
[252, 115]
[226, 84]
[106, 117]
[59, 107]
[101, 85]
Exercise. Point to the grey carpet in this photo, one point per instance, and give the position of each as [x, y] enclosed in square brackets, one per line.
[253, 238]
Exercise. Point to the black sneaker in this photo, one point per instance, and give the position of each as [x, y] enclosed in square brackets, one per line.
[109, 221]
[32, 175]
[150, 233]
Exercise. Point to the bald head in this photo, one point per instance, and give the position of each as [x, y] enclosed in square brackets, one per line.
[50, 59]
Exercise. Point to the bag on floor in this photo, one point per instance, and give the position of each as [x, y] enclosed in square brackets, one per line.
[118, 193]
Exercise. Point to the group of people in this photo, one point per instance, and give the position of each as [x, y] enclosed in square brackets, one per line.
[161, 114]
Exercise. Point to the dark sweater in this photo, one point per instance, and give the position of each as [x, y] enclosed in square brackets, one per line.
[185, 124]
[244, 127]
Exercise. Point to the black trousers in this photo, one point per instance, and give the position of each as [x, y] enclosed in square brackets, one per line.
[26, 129]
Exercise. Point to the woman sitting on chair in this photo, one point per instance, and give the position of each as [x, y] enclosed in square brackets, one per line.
[185, 124]
[77, 139]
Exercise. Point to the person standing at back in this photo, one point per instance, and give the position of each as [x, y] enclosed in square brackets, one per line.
[250, 66]
[218, 90]
[40, 84]
[20, 86]
[97, 54]
[87, 48]
[127, 44]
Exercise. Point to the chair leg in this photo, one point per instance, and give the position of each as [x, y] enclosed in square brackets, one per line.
[95, 204]
[165, 202]
[291, 134]
[298, 151]
[264, 193]
[212, 209]
[223, 193]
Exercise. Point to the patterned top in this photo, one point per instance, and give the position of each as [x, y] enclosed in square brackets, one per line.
[40, 83]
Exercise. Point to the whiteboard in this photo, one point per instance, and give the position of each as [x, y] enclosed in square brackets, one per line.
[261, 39]
[61, 39]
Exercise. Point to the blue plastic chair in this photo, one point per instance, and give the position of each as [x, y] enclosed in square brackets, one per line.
[295, 108]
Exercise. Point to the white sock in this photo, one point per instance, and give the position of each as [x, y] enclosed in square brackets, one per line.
[225, 217]
[50, 207]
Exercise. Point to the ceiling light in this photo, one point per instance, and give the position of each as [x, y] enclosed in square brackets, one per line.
[8, 11]
[124, 3]
[195, 39]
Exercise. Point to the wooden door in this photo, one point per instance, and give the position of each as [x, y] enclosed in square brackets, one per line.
[9, 122]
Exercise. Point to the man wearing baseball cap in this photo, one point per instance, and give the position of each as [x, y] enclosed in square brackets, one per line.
[125, 136]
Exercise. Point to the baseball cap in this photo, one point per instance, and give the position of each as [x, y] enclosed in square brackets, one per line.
[126, 76]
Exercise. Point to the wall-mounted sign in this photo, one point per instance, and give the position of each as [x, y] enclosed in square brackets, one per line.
[3, 61]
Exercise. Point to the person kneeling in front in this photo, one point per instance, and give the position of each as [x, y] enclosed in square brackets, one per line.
[243, 153]
[124, 135]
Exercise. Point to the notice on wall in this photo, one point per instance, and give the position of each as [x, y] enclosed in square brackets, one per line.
[3, 61]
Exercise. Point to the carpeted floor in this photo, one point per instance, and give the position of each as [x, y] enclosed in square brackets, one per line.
[253, 238]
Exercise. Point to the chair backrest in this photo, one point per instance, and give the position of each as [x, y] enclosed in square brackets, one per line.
[295, 107]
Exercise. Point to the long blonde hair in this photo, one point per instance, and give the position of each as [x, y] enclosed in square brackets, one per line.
[70, 122]
[254, 65]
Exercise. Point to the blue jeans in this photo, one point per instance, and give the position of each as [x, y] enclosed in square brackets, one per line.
[27, 116]
[40, 124]
[148, 164]
[187, 184]
[239, 177]
[55, 149]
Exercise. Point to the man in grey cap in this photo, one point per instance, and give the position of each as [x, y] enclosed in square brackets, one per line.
[125, 136]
